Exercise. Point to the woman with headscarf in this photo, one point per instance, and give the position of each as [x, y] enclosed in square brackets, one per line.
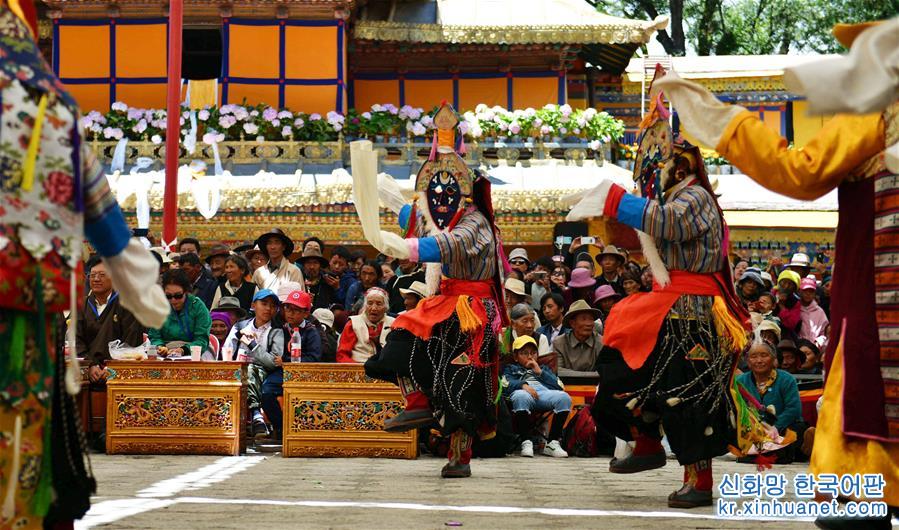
[366, 333]
[221, 326]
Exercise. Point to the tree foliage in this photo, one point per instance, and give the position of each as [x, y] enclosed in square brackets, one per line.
[751, 27]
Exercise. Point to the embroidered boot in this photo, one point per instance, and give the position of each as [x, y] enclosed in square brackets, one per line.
[417, 412]
[459, 456]
[697, 488]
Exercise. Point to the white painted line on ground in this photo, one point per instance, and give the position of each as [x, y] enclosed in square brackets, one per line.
[153, 497]
[218, 471]
[561, 512]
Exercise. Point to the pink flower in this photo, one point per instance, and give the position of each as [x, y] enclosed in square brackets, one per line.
[269, 114]
[286, 132]
[250, 128]
[203, 115]
[315, 117]
[119, 106]
[298, 123]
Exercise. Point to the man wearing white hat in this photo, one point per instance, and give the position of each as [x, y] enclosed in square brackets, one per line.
[414, 294]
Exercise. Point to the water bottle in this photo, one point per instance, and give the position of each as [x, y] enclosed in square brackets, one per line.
[295, 346]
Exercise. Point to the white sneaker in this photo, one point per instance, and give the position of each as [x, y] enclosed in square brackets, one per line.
[527, 448]
[554, 449]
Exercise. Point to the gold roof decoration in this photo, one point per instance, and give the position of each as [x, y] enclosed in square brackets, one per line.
[511, 22]
[639, 32]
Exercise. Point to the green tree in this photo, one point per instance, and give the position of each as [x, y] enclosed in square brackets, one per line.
[751, 27]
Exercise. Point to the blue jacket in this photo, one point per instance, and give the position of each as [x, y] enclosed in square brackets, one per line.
[347, 280]
[205, 288]
[547, 331]
[784, 395]
[514, 374]
[312, 343]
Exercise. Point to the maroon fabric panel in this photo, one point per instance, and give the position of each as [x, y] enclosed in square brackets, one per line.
[853, 313]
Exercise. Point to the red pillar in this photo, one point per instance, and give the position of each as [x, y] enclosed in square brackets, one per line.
[173, 125]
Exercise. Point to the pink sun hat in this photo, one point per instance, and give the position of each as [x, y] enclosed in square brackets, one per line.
[581, 278]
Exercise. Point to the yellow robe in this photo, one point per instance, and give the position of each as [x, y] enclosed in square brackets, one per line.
[844, 145]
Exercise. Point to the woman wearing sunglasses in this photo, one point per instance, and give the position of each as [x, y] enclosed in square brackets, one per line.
[188, 322]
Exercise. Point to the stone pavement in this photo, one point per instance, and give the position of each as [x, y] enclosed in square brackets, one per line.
[269, 492]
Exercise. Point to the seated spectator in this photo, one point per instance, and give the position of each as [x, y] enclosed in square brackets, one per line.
[537, 282]
[769, 331]
[560, 277]
[216, 260]
[515, 293]
[580, 287]
[101, 321]
[369, 277]
[778, 392]
[189, 245]
[523, 325]
[387, 272]
[324, 319]
[264, 346]
[765, 306]
[366, 333]
[610, 261]
[409, 273]
[297, 307]
[234, 283]
[313, 264]
[256, 259]
[553, 308]
[579, 348]
[231, 305]
[606, 298]
[534, 388]
[814, 320]
[203, 285]
[631, 283]
[340, 276]
[789, 307]
[791, 357]
[646, 279]
[221, 326]
[809, 358]
[416, 292]
[313, 243]
[188, 323]
[277, 248]
[749, 287]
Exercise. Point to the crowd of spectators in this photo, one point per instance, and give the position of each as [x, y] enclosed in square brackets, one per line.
[333, 304]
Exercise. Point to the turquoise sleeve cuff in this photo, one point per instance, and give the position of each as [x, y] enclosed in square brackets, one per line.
[630, 210]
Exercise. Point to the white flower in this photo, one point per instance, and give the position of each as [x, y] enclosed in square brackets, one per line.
[95, 128]
[391, 109]
[315, 117]
[538, 122]
[250, 128]
[377, 108]
[213, 136]
[546, 129]
[366, 115]
[530, 112]
[335, 118]
[254, 113]
[550, 106]
[285, 115]
[85, 122]
[590, 113]
[260, 139]
[476, 131]
[276, 122]
[227, 121]
[156, 139]
[563, 130]
[269, 114]
[480, 108]
[203, 115]
[464, 127]
[185, 114]
[240, 113]
[96, 116]
[109, 132]
[576, 131]
[298, 123]
[514, 127]
[287, 132]
[427, 121]
[595, 145]
[565, 109]
[226, 109]
[119, 106]
[135, 114]
[418, 129]
[581, 122]
[140, 127]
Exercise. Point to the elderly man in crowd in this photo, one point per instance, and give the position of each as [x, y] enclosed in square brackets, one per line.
[277, 247]
[103, 320]
[366, 333]
[313, 264]
[204, 285]
[611, 260]
[216, 261]
[523, 325]
[579, 348]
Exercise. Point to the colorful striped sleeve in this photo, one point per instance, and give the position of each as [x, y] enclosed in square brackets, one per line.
[104, 224]
[465, 242]
[685, 217]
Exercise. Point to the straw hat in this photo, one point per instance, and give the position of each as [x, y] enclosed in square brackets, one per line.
[579, 307]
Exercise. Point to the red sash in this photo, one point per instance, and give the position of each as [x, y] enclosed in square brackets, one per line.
[433, 310]
[633, 325]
